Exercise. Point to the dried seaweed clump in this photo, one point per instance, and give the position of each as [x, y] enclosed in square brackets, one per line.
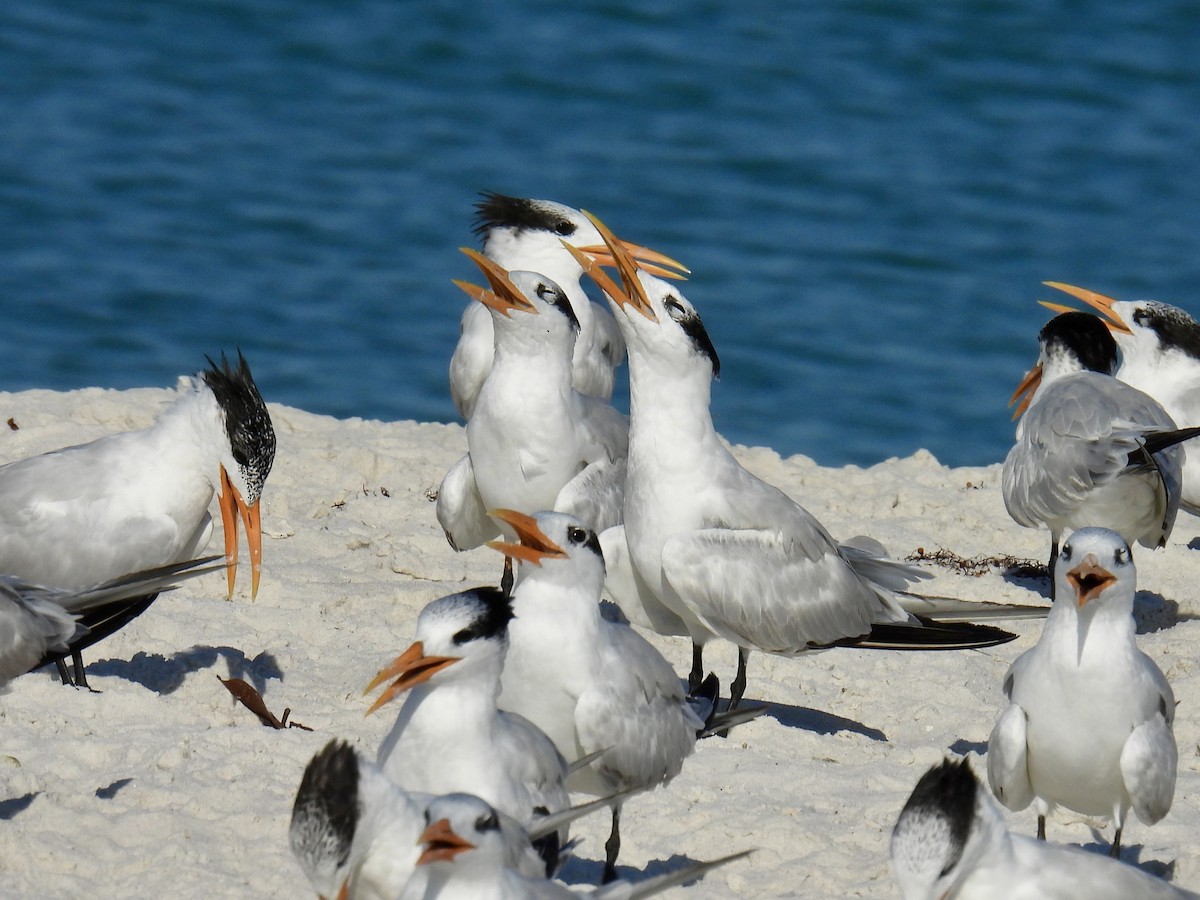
[976, 566]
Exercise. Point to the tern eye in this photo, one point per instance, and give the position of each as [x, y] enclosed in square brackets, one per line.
[1121, 556]
[549, 294]
[576, 535]
[564, 228]
[1066, 553]
[467, 634]
[487, 823]
[675, 309]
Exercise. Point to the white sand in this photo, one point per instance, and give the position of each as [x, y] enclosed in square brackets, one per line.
[161, 786]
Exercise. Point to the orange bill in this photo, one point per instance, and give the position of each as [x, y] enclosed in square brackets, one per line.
[232, 506]
[441, 843]
[506, 295]
[1089, 579]
[1098, 302]
[649, 260]
[409, 669]
[1025, 390]
[534, 546]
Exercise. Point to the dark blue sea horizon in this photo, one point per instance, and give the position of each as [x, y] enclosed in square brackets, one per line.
[869, 194]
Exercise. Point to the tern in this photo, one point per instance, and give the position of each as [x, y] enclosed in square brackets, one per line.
[533, 442]
[1160, 356]
[524, 234]
[950, 843]
[36, 629]
[589, 683]
[449, 735]
[1089, 721]
[1090, 450]
[136, 500]
[707, 548]
[466, 855]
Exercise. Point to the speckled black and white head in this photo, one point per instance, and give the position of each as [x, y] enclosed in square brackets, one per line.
[246, 461]
[554, 548]
[1070, 342]
[459, 637]
[325, 817]
[930, 841]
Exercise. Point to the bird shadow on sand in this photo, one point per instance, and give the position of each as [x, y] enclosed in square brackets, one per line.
[9, 809]
[165, 675]
[580, 871]
[816, 721]
[1151, 611]
[1131, 855]
[963, 747]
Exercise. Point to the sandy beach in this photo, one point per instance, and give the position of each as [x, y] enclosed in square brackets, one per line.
[161, 785]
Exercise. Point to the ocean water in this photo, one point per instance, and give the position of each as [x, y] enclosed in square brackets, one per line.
[869, 194]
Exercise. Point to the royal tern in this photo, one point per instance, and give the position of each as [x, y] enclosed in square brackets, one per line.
[449, 735]
[354, 832]
[136, 500]
[705, 543]
[465, 856]
[533, 442]
[950, 843]
[1088, 726]
[36, 629]
[590, 684]
[1090, 450]
[1160, 356]
[526, 235]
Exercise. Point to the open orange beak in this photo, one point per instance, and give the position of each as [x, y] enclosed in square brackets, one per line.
[441, 843]
[230, 500]
[648, 260]
[631, 293]
[1025, 390]
[1098, 302]
[1089, 579]
[534, 546]
[504, 296]
[409, 669]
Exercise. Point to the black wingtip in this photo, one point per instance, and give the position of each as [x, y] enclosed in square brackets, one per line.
[925, 634]
[328, 795]
[98, 623]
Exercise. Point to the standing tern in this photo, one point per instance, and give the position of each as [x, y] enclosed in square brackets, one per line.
[1089, 721]
[1160, 356]
[449, 735]
[136, 500]
[707, 545]
[36, 629]
[524, 234]
[1091, 450]
[950, 843]
[533, 442]
[466, 854]
[589, 683]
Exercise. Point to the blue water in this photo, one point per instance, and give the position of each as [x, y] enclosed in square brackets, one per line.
[868, 193]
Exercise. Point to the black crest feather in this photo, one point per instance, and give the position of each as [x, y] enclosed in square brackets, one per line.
[247, 422]
[947, 791]
[494, 608]
[328, 797]
[1087, 336]
[501, 211]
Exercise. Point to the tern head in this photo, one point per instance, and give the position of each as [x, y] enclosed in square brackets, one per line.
[540, 305]
[461, 636]
[460, 822]
[653, 316]
[521, 233]
[325, 817]
[946, 826]
[246, 458]
[1070, 342]
[1095, 567]
[553, 548]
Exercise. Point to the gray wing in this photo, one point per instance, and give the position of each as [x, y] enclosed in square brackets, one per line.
[1150, 757]
[29, 626]
[1079, 435]
[460, 509]
[472, 359]
[625, 586]
[596, 496]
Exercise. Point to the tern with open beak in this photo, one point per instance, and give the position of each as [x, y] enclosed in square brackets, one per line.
[534, 442]
[1090, 450]
[449, 734]
[1089, 721]
[136, 500]
[950, 843]
[1160, 356]
[592, 684]
[521, 234]
[707, 548]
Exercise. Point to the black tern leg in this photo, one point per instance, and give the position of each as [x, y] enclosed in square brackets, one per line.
[1115, 850]
[1041, 828]
[696, 676]
[612, 847]
[506, 579]
[738, 686]
[63, 675]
